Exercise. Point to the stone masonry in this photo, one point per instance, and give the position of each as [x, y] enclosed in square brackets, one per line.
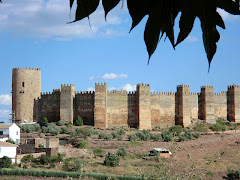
[141, 109]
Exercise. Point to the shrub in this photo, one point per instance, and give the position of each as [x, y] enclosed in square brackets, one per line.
[122, 151]
[167, 136]
[86, 132]
[99, 152]
[5, 162]
[120, 137]
[108, 137]
[68, 125]
[144, 135]
[82, 145]
[27, 158]
[41, 145]
[156, 137]
[52, 165]
[79, 121]
[27, 128]
[72, 164]
[176, 130]
[217, 127]
[44, 120]
[182, 138]
[36, 127]
[112, 160]
[114, 134]
[199, 127]
[132, 137]
[61, 123]
[10, 140]
[228, 123]
[25, 166]
[196, 135]
[231, 174]
[63, 130]
[101, 135]
[42, 160]
[188, 135]
[121, 131]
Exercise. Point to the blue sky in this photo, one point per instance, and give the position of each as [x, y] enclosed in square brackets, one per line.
[34, 33]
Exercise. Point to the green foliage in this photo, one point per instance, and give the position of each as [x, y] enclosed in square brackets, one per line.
[108, 137]
[85, 132]
[68, 125]
[112, 160]
[156, 137]
[114, 134]
[176, 130]
[162, 16]
[167, 136]
[25, 166]
[122, 151]
[27, 128]
[134, 144]
[63, 130]
[44, 120]
[232, 175]
[61, 123]
[52, 165]
[121, 131]
[52, 129]
[199, 127]
[36, 127]
[82, 145]
[217, 127]
[99, 152]
[73, 164]
[132, 137]
[42, 160]
[27, 158]
[101, 135]
[196, 135]
[119, 137]
[188, 134]
[79, 121]
[182, 137]
[5, 162]
[10, 140]
[41, 145]
[143, 135]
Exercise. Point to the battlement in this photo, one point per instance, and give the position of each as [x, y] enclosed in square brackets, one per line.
[100, 84]
[117, 92]
[48, 93]
[207, 87]
[26, 68]
[67, 85]
[194, 93]
[223, 93]
[233, 86]
[131, 92]
[181, 86]
[167, 93]
[84, 92]
[143, 85]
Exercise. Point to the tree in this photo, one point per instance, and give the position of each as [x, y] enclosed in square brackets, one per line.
[162, 15]
[5, 162]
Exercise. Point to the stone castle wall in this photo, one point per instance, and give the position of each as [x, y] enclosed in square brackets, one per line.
[139, 109]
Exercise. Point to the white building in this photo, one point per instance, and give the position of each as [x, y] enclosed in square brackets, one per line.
[8, 131]
[9, 150]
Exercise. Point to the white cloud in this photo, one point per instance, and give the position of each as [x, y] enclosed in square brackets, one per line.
[113, 76]
[47, 19]
[4, 113]
[5, 100]
[192, 39]
[109, 76]
[90, 89]
[226, 16]
[129, 87]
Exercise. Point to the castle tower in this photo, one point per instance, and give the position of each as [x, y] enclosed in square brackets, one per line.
[66, 102]
[183, 106]
[207, 109]
[233, 103]
[144, 109]
[100, 106]
[26, 86]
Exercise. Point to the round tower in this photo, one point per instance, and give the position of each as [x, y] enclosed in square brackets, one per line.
[26, 86]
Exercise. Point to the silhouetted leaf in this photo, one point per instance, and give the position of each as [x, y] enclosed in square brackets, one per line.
[137, 10]
[108, 5]
[229, 6]
[71, 3]
[85, 8]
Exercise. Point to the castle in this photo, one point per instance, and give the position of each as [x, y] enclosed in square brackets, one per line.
[141, 109]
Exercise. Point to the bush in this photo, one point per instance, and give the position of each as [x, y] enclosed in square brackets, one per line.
[79, 121]
[167, 136]
[44, 120]
[132, 137]
[196, 135]
[121, 131]
[10, 140]
[27, 158]
[73, 164]
[199, 127]
[82, 145]
[108, 137]
[231, 174]
[217, 127]
[5, 162]
[68, 125]
[112, 160]
[36, 127]
[27, 128]
[61, 123]
[120, 137]
[41, 145]
[86, 132]
[188, 135]
[122, 151]
[63, 130]
[25, 166]
[156, 137]
[42, 160]
[99, 152]
[176, 130]
[101, 135]
[182, 138]
[114, 134]
[144, 135]
[52, 129]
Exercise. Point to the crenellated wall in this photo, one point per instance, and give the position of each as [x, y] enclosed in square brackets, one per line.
[84, 107]
[139, 109]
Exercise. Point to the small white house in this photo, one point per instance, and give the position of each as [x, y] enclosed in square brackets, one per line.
[8, 131]
[9, 150]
